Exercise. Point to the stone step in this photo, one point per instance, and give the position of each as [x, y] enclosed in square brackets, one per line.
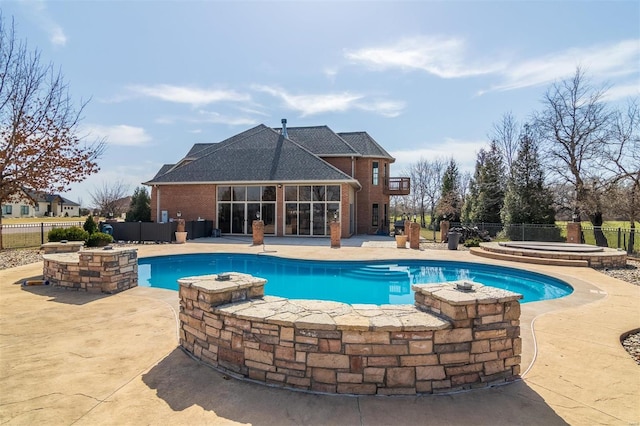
[479, 251]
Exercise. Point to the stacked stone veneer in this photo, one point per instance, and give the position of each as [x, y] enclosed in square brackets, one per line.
[96, 271]
[61, 247]
[450, 340]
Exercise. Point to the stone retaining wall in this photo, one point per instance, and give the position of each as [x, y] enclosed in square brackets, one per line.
[62, 247]
[450, 340]
[95, 271]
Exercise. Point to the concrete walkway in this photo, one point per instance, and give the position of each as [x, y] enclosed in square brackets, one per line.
[75, 358]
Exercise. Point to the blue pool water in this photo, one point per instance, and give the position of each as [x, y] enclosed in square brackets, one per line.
[377, 282]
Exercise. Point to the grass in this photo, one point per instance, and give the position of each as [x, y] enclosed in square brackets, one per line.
[32, 235]
[25, 220]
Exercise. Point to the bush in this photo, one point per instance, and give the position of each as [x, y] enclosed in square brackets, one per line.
[473, 242]
[57, 234]
[99, 239]
[90, 225]
[73, 233]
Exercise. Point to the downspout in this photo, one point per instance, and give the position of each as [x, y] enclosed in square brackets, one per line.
[157, 204]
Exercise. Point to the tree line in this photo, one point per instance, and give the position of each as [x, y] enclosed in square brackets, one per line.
[577, 158]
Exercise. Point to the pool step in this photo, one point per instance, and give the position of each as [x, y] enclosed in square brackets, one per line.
[379, 272]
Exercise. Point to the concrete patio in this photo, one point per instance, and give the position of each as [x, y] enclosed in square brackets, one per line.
[75, 358]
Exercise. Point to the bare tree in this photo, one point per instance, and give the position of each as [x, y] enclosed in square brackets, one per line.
[110, 198]
[40, 148]
[574, 127]
[623, 155]
[505, 134]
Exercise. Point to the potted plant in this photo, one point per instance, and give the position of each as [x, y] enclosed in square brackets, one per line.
[181, 234]
[401, 240]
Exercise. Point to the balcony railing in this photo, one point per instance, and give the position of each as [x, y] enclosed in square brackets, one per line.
[397, 186]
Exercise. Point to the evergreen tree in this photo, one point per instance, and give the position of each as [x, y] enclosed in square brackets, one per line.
[140, 207]
[90, 225]
[527, 200]
[450, 203]
[487, 191]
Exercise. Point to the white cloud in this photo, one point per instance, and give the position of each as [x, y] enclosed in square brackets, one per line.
[622, 91]
[464, 152]
[40, 14]
[189, 95]
[443, 57]
[385, 108]
[311, 104]
[118, 135]
[601, 62]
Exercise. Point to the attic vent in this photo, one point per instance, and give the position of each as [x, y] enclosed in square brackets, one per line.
[284, 128]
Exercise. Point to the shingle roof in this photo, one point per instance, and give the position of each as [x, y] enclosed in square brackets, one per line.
[365, 144]
[198, 147]
[258, 154]
[47, 198]
[320, 140]
[164, 169]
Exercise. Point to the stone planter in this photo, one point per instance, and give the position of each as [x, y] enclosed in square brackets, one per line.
[181, 237]
[401, 241]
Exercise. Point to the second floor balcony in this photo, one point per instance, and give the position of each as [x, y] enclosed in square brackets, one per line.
[397, 186]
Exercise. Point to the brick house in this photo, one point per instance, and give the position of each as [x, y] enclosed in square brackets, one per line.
[296, 179]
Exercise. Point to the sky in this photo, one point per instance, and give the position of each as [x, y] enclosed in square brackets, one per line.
[426, 79]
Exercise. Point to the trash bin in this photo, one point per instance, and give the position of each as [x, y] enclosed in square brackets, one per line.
[107, 229]
[453, 238]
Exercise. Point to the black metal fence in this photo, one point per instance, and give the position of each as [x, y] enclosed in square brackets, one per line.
[35, 234]
[21, 235]
[619, 238]
[159, 232]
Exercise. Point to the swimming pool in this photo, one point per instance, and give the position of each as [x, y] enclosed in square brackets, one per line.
[376, 282]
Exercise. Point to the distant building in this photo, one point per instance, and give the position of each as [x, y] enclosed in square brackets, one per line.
[297, 180]
[37, 204]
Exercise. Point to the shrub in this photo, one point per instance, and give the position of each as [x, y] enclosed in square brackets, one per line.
[473, 242]
[90, 225]
[57, 234]
[99, 239]
[73, 233]
[76, 233]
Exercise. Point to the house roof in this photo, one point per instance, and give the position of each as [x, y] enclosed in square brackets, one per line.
[258, 154]
[320, 140]
[365, 144]
[48, 198]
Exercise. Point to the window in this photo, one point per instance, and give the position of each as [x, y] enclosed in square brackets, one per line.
[374, 215]
[376, 173]
[24, 210]
[239, 206]
[7, 209]
[310, 208]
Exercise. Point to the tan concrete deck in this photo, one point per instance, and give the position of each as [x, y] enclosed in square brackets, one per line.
[75, 358]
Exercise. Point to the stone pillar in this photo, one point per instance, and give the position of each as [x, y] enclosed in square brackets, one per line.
[407, 229]
[444, 230]
[258, 232]
[574, 232]
[414, 239]
[485, 333]
[335, 234]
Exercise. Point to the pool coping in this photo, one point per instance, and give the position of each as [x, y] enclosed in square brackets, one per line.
[579, 362]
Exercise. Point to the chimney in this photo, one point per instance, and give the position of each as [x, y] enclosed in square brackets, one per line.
[284, 128]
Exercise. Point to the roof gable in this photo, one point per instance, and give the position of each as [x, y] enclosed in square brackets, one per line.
[365, 144]
[320, 140]
[259, 154]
